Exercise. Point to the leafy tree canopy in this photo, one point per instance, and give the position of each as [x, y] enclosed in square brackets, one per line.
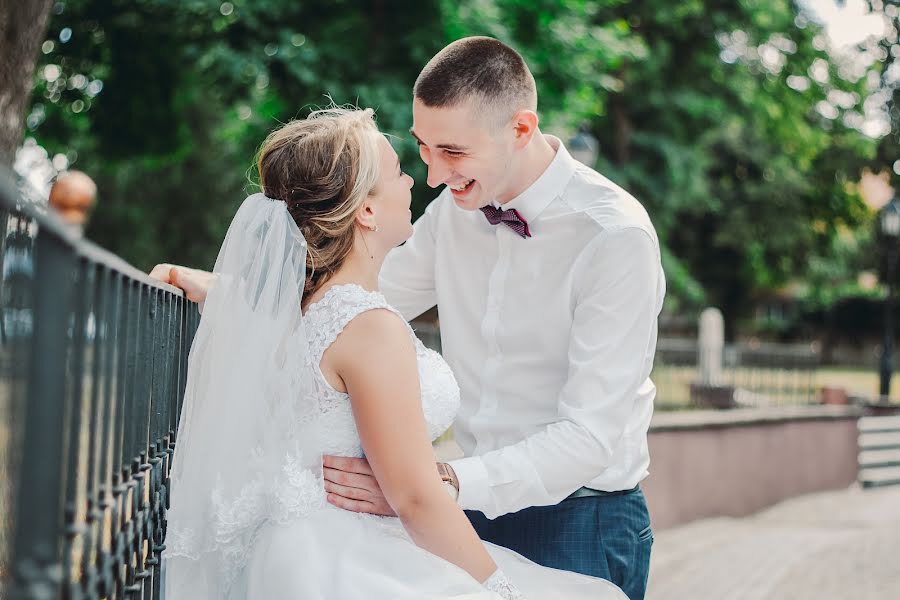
[733, 122]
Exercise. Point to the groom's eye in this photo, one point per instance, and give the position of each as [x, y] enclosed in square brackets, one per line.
[454, 153]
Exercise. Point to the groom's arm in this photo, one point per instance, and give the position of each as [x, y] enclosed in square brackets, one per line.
[407, 276]
[613, 326]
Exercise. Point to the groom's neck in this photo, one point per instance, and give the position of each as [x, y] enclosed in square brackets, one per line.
[529, 165]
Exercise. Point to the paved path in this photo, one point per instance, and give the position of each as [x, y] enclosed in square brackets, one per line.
[842, 545]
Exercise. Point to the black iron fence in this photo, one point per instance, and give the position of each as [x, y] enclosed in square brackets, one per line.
[93, 359]
[761, 374]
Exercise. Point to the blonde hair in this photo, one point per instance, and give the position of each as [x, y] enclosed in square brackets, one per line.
[323, 167]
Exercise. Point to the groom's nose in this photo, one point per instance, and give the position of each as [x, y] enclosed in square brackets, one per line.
[438, 171]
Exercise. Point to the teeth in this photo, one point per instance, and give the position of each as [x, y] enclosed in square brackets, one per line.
[462, 186]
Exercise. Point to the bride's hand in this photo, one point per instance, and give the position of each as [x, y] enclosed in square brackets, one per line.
[352, 486]
[194, 282]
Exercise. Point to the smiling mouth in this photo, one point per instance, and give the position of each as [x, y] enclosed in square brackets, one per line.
[462, 186]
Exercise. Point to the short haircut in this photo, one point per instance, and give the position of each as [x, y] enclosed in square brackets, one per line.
[482, 69]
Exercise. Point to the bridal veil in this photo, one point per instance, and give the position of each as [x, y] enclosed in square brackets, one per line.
[246, 448]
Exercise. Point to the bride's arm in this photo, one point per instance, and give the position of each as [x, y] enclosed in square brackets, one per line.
[194, 282]
[376, 359]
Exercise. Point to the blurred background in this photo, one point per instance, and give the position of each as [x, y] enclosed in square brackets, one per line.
[763, 137]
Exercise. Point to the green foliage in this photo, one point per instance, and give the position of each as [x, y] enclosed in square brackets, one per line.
[190, 89]
[744, 175]
[727, 120]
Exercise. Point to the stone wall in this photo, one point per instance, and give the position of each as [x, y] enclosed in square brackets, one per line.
[733, 463]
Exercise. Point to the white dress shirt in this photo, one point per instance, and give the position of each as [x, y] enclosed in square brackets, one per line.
[552, 338]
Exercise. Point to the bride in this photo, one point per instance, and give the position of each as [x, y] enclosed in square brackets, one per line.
[297, 355]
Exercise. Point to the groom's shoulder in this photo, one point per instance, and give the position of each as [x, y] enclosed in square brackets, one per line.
[605, 204]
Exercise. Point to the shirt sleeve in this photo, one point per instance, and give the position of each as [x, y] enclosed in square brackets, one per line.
[407, 275]
[618, 298]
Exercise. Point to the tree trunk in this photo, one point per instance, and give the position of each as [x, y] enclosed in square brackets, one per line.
[622, 130]
[23, 24]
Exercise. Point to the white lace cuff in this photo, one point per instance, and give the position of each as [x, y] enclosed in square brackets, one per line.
[500, 584]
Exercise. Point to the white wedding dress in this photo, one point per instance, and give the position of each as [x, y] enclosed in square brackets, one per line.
[248, 518]
[347, 555]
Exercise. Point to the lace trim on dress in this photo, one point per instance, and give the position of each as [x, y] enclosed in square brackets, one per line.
[500, 584]
[327, 317]
[237, 523]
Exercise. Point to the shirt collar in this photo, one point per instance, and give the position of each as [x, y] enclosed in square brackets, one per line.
[548, 186]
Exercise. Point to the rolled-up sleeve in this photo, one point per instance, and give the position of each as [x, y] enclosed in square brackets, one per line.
[618, 296]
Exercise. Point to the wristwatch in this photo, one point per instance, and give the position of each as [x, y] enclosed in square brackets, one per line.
[447, 478]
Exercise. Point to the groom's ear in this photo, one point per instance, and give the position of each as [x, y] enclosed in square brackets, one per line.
[525, 124]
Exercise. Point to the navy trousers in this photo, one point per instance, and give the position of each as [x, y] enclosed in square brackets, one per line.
[604, 536]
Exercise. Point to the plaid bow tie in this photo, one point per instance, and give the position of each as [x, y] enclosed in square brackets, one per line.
[511, 218]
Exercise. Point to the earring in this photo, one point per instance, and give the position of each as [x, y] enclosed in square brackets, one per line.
[375, 228]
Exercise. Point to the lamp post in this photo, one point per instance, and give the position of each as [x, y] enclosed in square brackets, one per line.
[889, 230]
[584, 147]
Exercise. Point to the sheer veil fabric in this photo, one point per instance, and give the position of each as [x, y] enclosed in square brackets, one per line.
[247, 444]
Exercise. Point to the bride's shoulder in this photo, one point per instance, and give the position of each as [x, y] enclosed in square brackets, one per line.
[339, 303]
[371, 338]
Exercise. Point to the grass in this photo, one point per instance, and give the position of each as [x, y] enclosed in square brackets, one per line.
[781, 386]
[863, 382]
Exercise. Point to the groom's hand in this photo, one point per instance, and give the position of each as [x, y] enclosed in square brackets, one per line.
[352, 486]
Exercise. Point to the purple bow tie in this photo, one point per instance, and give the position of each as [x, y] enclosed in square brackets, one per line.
[511, 218]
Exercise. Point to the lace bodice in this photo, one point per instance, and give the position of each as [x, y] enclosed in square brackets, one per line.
[325, 319]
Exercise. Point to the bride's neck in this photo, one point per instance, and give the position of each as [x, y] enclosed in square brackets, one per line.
[361, 267]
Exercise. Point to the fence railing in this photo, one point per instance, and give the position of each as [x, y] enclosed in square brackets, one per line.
[762, 375]
[93, 356]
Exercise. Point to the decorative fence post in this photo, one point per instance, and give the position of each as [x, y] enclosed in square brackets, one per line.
[708, 391]
[712, 346]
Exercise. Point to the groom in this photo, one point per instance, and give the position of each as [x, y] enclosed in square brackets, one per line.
[548, 282]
